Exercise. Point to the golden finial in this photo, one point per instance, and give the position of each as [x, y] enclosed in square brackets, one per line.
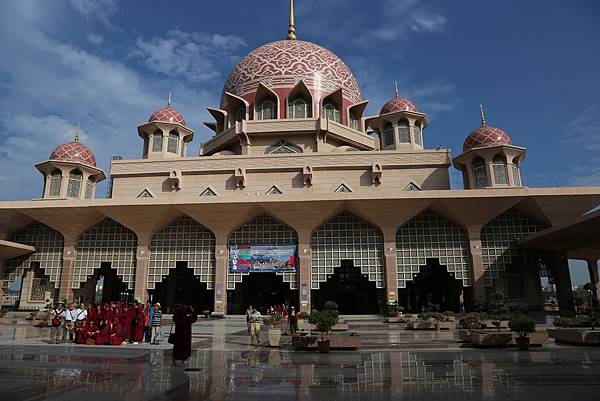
[292, 27]
[482, 115]
[396, 85]
[77, 133]
[169, 101]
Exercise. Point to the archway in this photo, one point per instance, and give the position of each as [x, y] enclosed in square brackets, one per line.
[264, 287]
[432, 286]
[350, 289]
[180, 287]
[104, 286]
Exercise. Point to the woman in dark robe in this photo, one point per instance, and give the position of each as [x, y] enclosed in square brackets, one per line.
[117, 334]
[81, 332]
[183, 319]
[138, 336]
[103, 338]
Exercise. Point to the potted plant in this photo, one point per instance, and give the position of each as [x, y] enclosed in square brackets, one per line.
[274, 323]
[436, 318]
[449, 316]
[324, 320]
[522, 326]
[498, 308]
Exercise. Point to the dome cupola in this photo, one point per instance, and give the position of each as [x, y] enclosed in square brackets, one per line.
[486, 136]
[397, 104]
[168, 115]
[74, 151]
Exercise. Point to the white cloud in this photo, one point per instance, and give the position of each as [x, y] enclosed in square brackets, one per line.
[95, 39]
[196, 56]
[100, 10]
[583, 134]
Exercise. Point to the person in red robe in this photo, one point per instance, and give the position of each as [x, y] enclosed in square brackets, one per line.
[117, 334]
[131, 317]
[125, 322]
[183, 319]
[103, 337]
[81, 332]
[92, 332]
[139, 325]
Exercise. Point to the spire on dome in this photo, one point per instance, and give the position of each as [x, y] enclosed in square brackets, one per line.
[169, 102]
[482, 115]
[292, 26]
[77, 132]
[396, 86]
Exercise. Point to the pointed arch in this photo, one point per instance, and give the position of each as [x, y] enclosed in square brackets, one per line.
[283, 146]
[412, 187]
[262, 109]
[182, 240]
[346, 236]
[299, 103]
[106, 241]
[431, 236]
[237, 108]
[331, 106]
[48, 244]
[343, 188]
[208, 192]
[263, 230]
[274, 191]
[146, 193]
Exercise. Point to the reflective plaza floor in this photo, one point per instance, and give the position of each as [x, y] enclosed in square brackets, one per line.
[393, 364]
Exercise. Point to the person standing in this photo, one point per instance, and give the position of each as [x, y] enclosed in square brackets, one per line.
[255, 319]
[57, 316]
[248, 312]
[81, 315]
[183, 320]
[293, 321]
[156, 324]
[148, 317]
[69, 326]
[139, 325]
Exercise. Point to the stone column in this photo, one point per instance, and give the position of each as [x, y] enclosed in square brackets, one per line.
[593, 271]
[66, 274]
[142, 255]
[477, 272]
[221, 266]
[564, 288]
[391, 273]
[305, 272]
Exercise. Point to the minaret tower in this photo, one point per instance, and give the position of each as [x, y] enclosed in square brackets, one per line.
[489, 159]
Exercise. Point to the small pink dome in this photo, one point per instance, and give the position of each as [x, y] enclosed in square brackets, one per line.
[74, 152]
[397, 104]
[168, 115]
[486, 136]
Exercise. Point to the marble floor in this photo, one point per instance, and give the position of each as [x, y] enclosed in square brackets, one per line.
[394, 364]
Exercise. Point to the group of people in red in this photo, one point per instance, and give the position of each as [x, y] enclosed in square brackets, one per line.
[112, 324]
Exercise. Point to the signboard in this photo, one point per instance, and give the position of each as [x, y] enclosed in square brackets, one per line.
[249, 258]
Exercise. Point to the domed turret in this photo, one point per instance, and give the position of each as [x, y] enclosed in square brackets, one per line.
[71, 171]
[489, 158]
[168, 115]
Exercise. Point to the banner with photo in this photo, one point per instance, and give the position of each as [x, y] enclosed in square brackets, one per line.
[249, 258]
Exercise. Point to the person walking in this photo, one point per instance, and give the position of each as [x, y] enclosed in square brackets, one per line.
[183, 320]
[57, 316]
[255, 319]
[248, 312]
[156, 325]
[69, 325]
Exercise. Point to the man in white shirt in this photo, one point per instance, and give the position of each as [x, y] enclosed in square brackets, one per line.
[81, 314]
[57, 315]
[69, 326]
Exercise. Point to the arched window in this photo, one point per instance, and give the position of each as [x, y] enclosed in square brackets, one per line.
[240, 114]
[173, 142]
[55, 182]
[388, 135]
[157, 140]
[418, 135]
[500, 170]
[266, 110]
[331, 113]
[74, 187]
[89, 188]
[299, 107]
[479, 173]
[353, 121]
[403, 131]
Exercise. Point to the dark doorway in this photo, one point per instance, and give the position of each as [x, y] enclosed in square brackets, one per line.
[261, 290]
[180, 287]
[104, 286]
[350, 289]
[432, 286]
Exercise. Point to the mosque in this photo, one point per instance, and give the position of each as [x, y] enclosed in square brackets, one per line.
[298, 198]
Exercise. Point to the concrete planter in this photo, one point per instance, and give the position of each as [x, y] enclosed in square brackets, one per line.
[490, 339]
[536, 339]
[487, 324]
[274, 337]
[575, 336]
[337, 327]
[335, 342]
[423, 325]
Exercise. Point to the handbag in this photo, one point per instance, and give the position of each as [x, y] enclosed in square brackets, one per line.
[171, 339]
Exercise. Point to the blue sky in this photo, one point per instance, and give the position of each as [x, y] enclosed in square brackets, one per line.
[110, 64]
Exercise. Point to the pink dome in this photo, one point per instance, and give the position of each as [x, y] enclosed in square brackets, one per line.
[486, 136]
[167, 115]
[282, 64]
[74, 152]
[397, 104]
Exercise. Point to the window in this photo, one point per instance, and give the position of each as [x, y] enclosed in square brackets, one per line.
[388, 135]
[353, 121]
[157, 140]
[331, 113]
[74, 187]
[266, 110]
[208, 192]
[283, 147]
[500, 170]
[479, 173]
[403, 132]
[240, 114]
[55, 182]
[299, 108]
[173, 142]
[274, 191]
[516, 175]
[89, 188]
[418, 135]
[343, 188]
